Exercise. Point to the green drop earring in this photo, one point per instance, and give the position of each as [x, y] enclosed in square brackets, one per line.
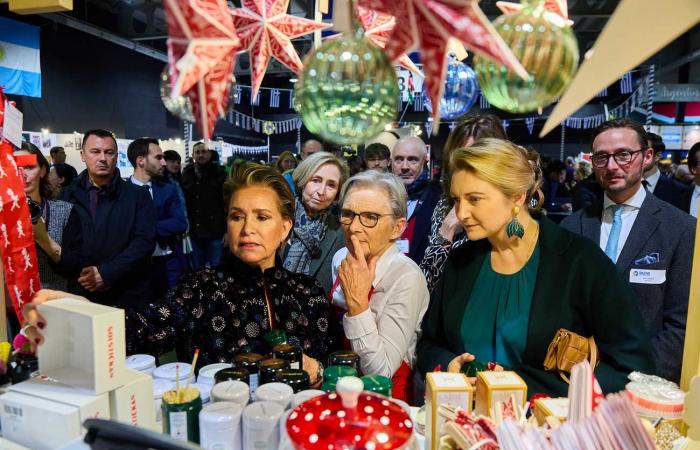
[514, 227]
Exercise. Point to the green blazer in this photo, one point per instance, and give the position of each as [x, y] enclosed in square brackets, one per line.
[577, 288]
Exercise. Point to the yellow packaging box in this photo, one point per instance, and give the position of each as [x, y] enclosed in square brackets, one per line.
[557, 407]
[444, 388]
[492, 387]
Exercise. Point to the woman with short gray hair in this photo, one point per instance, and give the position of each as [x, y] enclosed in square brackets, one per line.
[380, 292]
[317, 234]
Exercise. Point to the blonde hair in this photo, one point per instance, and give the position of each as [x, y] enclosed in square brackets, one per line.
[512, 169]
[284, 155]
[309, 166]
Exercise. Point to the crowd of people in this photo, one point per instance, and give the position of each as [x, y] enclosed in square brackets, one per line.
[484, 263]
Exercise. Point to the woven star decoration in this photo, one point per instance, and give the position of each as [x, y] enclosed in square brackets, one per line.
[265, 29]
[428, 25]
[558, 7]
[202, 46]
[378, 28]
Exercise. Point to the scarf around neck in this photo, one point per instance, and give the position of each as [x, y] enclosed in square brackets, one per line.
[307, 235]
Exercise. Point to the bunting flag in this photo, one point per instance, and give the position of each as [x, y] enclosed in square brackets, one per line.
[506, 123]
[626, 86]
[277, 127]
[275, 98]
[530, 124]
[429, 128]
[651, 93]
[483, 103]
[255, 100]
[602, 93]
[239, 94]
[418, 104]
[291, 100]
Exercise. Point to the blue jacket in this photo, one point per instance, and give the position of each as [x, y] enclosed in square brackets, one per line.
[170, 214]
[119, 240]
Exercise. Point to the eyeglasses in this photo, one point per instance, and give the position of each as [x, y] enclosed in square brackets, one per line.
[367, 219]
[622, 158]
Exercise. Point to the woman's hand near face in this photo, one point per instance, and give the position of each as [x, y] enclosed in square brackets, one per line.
[356, 276]
[450, 225]
[43, 240]
[35, 322]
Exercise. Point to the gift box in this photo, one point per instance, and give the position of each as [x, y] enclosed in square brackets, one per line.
[42, 414]
[444, 388]
[84, 344]
[555, 407]
[493, 387]
[132, 403]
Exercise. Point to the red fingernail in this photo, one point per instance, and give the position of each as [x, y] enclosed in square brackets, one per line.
[37, 340]
[41, 325]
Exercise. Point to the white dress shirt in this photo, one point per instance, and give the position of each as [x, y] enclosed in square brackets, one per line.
[695, 201]
[386, 334]
[630, 209]
[652, 181]
[160, 250]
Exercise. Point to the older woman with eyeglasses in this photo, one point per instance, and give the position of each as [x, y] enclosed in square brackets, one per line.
[381, 292]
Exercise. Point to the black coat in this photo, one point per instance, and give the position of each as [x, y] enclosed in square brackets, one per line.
[423, 213]
[205, 201]
[119, 240]
[671, 191]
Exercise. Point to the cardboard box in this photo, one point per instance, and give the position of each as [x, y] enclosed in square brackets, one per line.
[444, 388]
[84, 344]
[132, 403]
[492, 387]
[557, 407]
[43, 414]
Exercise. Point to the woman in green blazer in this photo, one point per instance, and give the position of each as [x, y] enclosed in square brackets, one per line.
[520, 278]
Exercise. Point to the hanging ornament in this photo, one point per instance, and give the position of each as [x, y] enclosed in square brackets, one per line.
[202, 46]
[269, 127]
[558, 7]
[429, 24]
[547, 48]
[460, 92]
[265, 30]
[179, 106]
[347, 91]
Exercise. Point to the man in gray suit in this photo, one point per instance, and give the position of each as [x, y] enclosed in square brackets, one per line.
[649, 240]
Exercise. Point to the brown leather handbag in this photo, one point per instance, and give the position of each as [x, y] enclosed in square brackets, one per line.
[568, 348]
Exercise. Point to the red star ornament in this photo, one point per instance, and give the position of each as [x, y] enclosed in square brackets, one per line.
[265, 30]
[378, 27]
[428, 25]
[558, 7]
[202, 46]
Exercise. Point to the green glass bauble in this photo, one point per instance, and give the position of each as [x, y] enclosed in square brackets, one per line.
[545, 46]
[348, 90]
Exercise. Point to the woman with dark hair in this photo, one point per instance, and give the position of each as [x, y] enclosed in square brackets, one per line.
[235, 308]
[446, 233]
[59, 256]
[61, 175]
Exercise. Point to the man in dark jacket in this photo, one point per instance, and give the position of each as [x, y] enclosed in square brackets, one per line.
[663, 187]
[118, 226]
[408, 158]
[203, 183]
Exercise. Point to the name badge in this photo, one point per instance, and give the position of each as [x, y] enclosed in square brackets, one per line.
[404, 245]
[644, 276]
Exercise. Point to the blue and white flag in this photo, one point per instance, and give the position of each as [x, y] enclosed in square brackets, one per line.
[20, 67]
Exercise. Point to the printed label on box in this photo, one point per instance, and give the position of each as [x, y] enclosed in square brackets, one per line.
[449, 380]
[502, 378]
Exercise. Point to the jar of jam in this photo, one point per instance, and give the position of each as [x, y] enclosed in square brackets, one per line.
[251, 363]
[268, 369]
[298, 380]
[345, 358]
[232, 374]
[290, 353]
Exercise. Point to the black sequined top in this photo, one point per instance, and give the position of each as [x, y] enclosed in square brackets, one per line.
[224, 312]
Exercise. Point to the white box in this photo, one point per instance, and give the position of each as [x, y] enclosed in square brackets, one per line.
[444, 388]
[133, 402]
[84, 344]
[43, 414]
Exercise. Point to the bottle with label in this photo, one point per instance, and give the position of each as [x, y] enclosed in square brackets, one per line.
[345, 358]
[251, 363]
[298, 380]
[288, 352]
[232, 374]
[181, 414]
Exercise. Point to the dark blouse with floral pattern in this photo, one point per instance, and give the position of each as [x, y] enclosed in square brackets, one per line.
[223, 312]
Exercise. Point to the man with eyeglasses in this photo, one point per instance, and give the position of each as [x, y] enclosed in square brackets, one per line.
[408, 159]
[118, 224]
[646, 238]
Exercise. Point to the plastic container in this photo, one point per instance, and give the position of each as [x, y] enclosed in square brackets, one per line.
[298, 380]
[251, 363]
[142, 363]
[181, 420]
[160, 387]
[345, 358]
[220, 426]
[232, 374]
[278, 393]
[269, 368]
[301, 397]
[204, 391]
[207, 373]
[290, 353]
[261, 422]
[378, 384]
[231, 391]
[168, 372]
